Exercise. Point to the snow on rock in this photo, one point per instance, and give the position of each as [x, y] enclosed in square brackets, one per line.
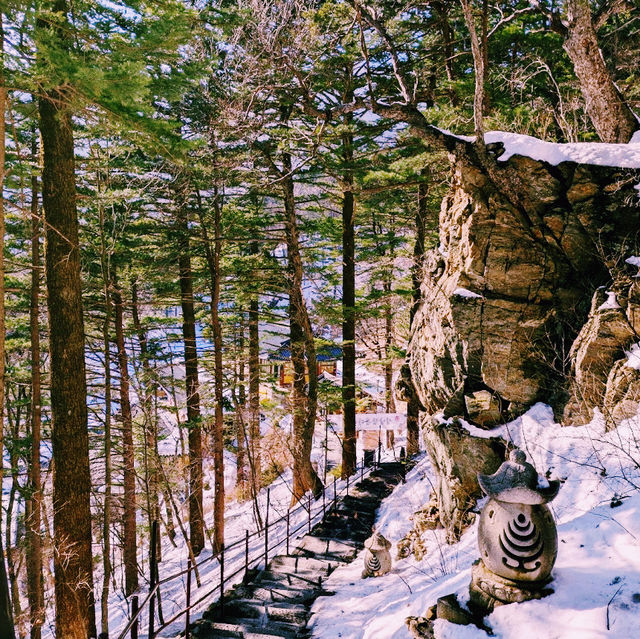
[621, 155]
[633, 355]
[610, 302]
[634, 260]
[598, 153]
[465, 292]
[598, 566]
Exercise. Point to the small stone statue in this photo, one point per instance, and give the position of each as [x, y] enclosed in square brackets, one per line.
[517, 536]
[377, 558]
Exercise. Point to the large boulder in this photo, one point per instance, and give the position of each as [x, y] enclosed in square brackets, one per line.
[509, 284]
[523, 246]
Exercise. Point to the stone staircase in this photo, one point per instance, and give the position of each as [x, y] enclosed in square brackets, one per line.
[274, 603]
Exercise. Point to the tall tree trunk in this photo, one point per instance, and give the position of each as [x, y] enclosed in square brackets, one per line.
[413, 405]
[107, 502]
[241, 456]
[75, 608]
[151, 474]
[390, 404]
[441, 9]
[255, 463]
[6, 618]
[12, 547]
[611, 116]
[479, 58]
[303, 351]
[213, 262]
[35, 585]
[130, 537]
[196, 523]
[348, 296]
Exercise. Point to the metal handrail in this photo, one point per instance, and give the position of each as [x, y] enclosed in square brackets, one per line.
[258, 555]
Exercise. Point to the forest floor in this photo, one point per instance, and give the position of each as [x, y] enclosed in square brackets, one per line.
[597, 574]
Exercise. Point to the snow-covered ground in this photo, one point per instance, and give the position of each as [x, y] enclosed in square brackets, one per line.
[597, 574]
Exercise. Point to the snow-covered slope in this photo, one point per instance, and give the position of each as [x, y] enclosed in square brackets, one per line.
[597, 574]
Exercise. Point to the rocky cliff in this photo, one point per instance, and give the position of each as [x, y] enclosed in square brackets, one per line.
[505, 317]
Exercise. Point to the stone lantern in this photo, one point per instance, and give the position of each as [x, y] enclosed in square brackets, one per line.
[377, 558]
[517, 536]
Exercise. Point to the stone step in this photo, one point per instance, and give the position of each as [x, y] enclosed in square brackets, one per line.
[326, 547]
[291, 613]
[225, 630]
[277, 592]
[300, 564]
[290, 579]
[265, 626]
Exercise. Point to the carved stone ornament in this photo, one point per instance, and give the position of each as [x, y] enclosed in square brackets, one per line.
[377, 558]
[517, 536]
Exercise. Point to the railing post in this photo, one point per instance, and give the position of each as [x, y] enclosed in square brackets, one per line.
[266, 530]
[287, 531]
[362, 470]
[309, 504]
[379, 450]
[222, 580]
[347, 485]
[324, 492]
[187, 632]
[134, 612]
[246, 552]
[335, 495]
[152, 577]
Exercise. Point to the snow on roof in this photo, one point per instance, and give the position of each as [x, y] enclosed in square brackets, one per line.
[597, 153]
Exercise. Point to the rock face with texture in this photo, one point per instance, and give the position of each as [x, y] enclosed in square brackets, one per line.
[457, 459]
[600, 377]
[510, 281]
[523, 246]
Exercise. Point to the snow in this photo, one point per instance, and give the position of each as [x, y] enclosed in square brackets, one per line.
[465, 292]
[633, 355]
[597, 153]
[610, 302]
[598, 566]
[634, 260]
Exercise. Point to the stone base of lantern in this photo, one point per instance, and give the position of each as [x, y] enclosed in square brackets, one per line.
[488, 590]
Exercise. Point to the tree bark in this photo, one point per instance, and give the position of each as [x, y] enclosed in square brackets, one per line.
[348, 298]
[413, 405]
[6, 618]
[303, 351]
[152, 479]
[75, 607]
[479, 58]
[254, 392]
[241, 455]
[213, 262]
[390, 404]
[107, 568]
[35, 586]
[196, 523]
[612, 118]
[130, 536]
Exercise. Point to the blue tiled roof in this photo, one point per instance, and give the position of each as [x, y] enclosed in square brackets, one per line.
[324, 353]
